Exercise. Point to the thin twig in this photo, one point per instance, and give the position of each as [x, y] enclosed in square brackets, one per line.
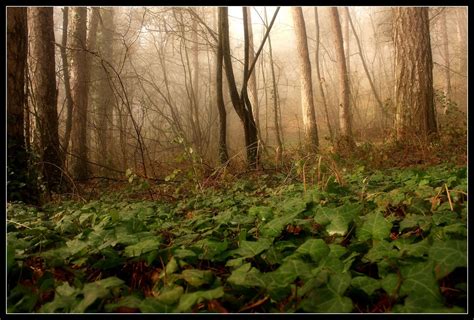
[449, 197]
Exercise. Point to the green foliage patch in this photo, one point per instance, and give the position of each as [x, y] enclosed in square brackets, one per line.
[390, 241]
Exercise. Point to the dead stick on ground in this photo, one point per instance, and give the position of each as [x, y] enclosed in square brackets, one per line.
[253, 305]
[449, 197]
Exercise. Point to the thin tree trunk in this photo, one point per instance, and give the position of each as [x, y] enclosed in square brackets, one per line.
[223, 154]
[346, 136]
[307, 101]
[279, 150]
[79, 93]
[364, 64]
[67, 82]
[318, 74]
[447, 72]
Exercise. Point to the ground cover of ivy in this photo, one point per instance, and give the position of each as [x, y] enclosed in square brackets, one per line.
[376, 241]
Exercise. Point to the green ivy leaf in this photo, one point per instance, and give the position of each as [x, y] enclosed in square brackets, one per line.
[188, 300]
[366, 284]
[317, 249]
[197, 277]
[375, 227]
[447, 256]
[140, 248]
[249, 249]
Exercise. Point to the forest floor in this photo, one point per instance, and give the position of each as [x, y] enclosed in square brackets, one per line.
[314, 240]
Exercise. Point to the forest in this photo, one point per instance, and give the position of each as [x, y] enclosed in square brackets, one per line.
[236, 159]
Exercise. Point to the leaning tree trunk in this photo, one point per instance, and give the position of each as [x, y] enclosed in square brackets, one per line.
[307, 102]
[79, 93]
[44, 89]
[346, 136]
[18, 185]
[414, 98]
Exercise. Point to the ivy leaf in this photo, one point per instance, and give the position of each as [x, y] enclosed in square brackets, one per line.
[249, 249]
[366, 284]
[317, 249]
[418, 249]
[170, 296]
[197, 277]
[246, 276]
[390, 283]
[380, 250]
[95, 290]
[420, 283]
[375, 227]
[274, 227]
[188, 300]
[140, 248]
[448, 255]
[326, 300]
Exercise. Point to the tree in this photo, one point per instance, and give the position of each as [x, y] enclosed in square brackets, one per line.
[447, 62]
[19, 185]
[414, 98]
[45, 93]
[223, 154]
[79, 92]
[279, 150]
[318, 74]
[307, 102]
[346, 138]
[364, 64]
[241, 102]
[105, 92]
[67, 82]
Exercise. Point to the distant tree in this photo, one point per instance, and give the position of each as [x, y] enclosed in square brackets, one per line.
[240, 102]
[223, 154]
[276, 106]
[446, 56]
[346, 138]
[105, 93]
[44, 90]
[19, 186]
[67, 82]
[79, 92]
[307, 102]
[414, 98]
[318, 73]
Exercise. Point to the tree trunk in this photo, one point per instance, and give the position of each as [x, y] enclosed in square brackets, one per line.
[364, 64]
[253, 78]
[414, 99]
[44, 80]
[223, 154]
[105, 92]
[245, 115]
[447, 64]
[318, 74]
[345, 115]
[79, 93]
[19, 186]
[279, 150]
[195, 90]
[307, 102]
[67, 83]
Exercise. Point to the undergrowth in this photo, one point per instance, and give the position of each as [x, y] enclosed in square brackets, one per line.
[321, 238]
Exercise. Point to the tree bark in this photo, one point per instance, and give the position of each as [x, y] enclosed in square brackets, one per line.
[223, 154]
[447, 63]
[105, 92]
[318, 75]
[79, 93]
[44, 80]
[67, 83]
[307, 102]
[279, 150]
[414, 98]
[18, 185]
[344, 91]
